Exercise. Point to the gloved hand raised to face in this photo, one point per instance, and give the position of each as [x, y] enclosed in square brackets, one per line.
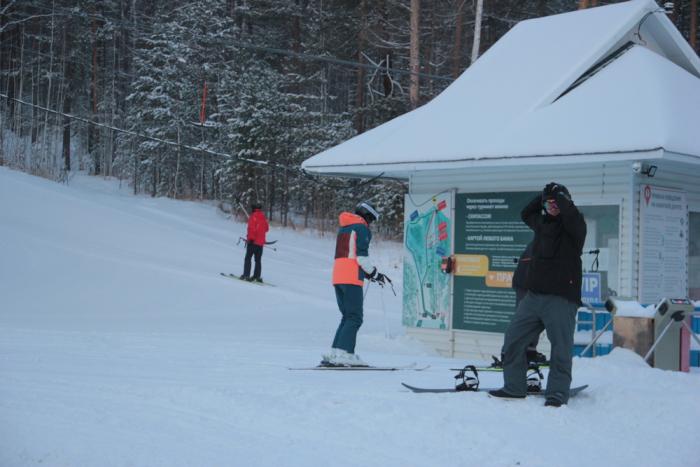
[552, 189]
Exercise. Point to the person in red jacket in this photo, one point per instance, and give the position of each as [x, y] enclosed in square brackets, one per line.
[255, 240]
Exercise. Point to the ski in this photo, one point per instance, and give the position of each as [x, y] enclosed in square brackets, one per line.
[411, 367]
[233, 276]
[572, 392]
[543, 366]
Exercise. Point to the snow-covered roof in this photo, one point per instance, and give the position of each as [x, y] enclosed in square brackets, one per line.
[617, 81]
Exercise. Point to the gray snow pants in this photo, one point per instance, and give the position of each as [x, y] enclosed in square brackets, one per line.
[536, 313]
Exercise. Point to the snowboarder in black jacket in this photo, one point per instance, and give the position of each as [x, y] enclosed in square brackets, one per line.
[553, 284]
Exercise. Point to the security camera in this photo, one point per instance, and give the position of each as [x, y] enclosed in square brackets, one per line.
[637, 167]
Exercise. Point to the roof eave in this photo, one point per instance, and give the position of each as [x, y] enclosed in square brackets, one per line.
[403, 170]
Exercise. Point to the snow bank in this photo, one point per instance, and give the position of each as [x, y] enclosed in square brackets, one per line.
[120, 345]
[633, 309]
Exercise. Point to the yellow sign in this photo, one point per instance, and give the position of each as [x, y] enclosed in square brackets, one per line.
[502, 279]
[471, 265]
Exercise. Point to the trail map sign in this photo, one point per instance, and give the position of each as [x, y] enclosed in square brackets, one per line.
[427, 239]
[489, 238]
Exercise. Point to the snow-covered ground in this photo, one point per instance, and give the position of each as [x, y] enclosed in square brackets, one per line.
[120, 345]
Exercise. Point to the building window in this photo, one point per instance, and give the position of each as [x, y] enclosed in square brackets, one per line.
[601, 271]
[694, 255]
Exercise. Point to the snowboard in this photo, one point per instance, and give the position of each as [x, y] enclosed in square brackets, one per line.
[572, 392]
[411, 367]
[543, 366]
[233, 276]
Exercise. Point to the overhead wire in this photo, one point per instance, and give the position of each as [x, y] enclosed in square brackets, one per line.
[210, 152]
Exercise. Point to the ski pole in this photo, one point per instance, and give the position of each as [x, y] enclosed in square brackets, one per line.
[266, 245]
[386, 322]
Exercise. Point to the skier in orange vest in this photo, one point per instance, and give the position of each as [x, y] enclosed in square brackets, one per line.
[352, 266]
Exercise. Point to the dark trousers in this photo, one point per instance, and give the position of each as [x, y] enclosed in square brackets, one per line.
[536, 313]
[532, 347]
[519, 295]
[349, 299]
[253, 250]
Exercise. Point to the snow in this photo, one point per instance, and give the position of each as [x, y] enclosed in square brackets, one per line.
[510, 107]
[634, 309]
[120, 345]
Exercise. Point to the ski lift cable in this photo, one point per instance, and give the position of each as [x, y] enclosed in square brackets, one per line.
[299, 170]
[134, 133]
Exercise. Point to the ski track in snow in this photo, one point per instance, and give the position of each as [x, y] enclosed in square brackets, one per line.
[120, 345]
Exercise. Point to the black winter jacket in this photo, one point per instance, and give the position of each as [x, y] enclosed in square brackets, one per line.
[520, 274]
[555, 268]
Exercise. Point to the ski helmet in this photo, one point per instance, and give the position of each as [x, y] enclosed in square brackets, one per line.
[367, 212]
[256, 205]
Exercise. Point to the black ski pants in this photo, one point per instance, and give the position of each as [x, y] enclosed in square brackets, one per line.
[253, 250]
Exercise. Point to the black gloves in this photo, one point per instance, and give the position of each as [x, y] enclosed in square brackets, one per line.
[377, 277]
[553, 189]
[381, 279]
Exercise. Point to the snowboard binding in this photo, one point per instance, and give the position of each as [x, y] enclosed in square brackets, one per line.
[469, 377]
[534, 379]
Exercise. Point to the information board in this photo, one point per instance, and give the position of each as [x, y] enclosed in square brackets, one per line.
[489, 238]
[663, 237]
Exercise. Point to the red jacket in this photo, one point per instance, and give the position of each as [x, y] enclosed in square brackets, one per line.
[257, 227]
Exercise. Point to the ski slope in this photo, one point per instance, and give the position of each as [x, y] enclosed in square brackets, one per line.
[120, 345]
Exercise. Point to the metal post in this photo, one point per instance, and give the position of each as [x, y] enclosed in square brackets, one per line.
[602, 331]
[692, 333]
[593, 330]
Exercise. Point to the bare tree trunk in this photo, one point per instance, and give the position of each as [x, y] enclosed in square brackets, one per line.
[92, 132]
[414, 61]
[360, 89]
[457, 48]
[18, 124]
[35, 100]
[136, 159]
[477, 30]
[582, 4]
[66, 133]
[430, 50]
[693, 33]
[177, 165]
[45, 146]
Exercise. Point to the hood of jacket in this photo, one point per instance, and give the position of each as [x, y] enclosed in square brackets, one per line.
[348, 218]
